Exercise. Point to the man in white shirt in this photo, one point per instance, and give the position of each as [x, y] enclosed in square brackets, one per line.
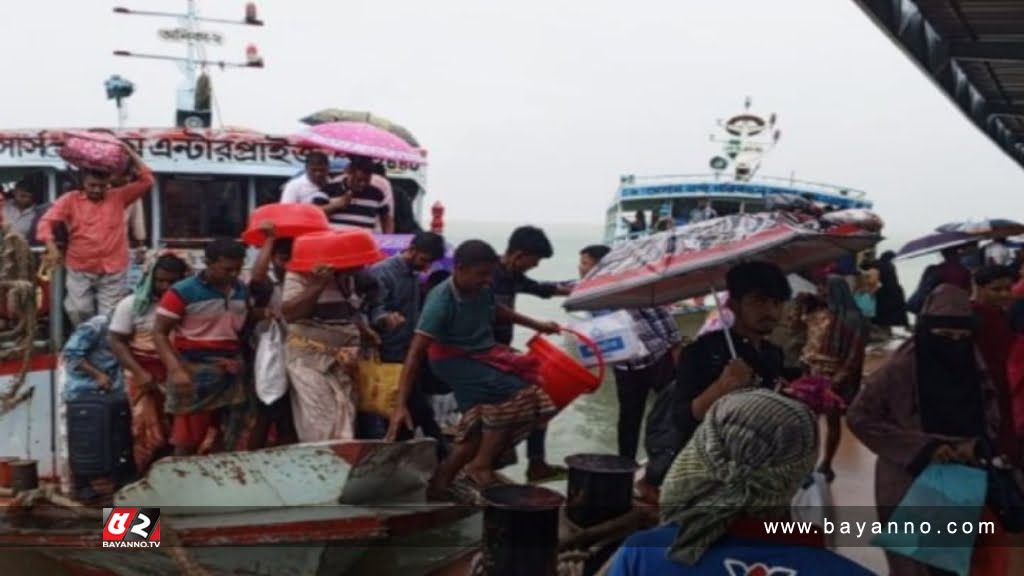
[20, 210]
[305, 188]
[997, 253]
[703, 211]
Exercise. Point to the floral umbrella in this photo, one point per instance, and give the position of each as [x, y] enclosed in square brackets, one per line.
[359, 138]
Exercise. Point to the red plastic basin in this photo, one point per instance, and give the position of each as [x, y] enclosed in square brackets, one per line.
[339, 249]
[290, 221]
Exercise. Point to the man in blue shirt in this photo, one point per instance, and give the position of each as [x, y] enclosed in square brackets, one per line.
[398, 278]
[747, 459]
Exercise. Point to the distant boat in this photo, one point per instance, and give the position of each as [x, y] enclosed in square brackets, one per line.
[647, 204]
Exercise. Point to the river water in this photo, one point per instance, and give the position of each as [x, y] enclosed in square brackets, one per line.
[588, 425]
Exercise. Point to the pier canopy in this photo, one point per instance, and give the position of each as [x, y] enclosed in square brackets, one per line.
[974, 50]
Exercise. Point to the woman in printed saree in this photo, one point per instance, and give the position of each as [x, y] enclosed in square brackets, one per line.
[495, 388]
[204, 391]
[836, 336]
[327, 312]
[131, 340]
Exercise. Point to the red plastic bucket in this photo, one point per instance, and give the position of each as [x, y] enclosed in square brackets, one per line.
[290, 221]
[565, 379]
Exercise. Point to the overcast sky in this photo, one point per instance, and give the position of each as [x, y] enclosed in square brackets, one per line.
[532, 109]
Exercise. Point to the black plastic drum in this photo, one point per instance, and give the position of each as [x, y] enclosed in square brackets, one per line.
[521, 530]
[600, 488]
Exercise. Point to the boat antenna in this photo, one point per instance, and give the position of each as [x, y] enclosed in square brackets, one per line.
[196, 93]
[748, 138]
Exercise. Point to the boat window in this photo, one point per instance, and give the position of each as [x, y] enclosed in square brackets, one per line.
[196, 209]
[268, 190]
[12, 332]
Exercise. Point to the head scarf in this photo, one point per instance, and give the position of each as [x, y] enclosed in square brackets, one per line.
[849, 328]
[949, 378]
[749, 456]
[144, 289]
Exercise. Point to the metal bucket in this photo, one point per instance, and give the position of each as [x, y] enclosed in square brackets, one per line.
[5, 471]
[600, 488]
[24, 475]
[521, 530]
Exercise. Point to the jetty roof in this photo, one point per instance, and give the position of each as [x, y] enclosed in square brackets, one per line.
[973, 50]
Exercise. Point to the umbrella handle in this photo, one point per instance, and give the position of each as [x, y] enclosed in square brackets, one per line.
[593, 346]
[725, 329]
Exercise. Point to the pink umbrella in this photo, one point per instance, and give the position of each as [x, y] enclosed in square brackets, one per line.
[360, 139]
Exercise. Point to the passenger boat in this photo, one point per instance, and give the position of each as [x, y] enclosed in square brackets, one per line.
[733, 186]
[322, 503]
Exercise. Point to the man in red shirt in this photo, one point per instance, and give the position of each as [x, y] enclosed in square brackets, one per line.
[97, 251]
[995, 339]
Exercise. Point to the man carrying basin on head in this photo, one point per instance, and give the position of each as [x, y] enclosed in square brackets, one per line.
[495, 387]
[97, 252]
[329, 310]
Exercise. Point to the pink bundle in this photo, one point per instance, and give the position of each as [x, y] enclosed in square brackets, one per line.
[816, 392]
[94, 151]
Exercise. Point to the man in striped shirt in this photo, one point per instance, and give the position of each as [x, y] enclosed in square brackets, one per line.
[354, 201]
[206, 313]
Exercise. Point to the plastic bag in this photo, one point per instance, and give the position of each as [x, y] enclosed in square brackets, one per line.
[271, 374]
[616, 336]
[813, 503]
[943, 494]
[377, 386]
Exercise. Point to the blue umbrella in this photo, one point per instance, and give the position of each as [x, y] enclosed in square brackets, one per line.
[932, 243]
[987, 227]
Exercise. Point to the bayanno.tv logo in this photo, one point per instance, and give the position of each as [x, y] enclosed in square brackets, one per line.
[131, 527]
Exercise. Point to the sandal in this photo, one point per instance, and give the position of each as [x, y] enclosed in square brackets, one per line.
[554, 474]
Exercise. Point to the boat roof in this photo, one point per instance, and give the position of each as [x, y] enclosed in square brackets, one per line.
[228, 151]
[973, 50]
[707, 185]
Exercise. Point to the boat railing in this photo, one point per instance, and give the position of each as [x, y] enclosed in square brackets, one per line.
[633, 181]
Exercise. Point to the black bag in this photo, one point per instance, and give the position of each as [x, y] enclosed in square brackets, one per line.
[100, 437]
[1004, 496]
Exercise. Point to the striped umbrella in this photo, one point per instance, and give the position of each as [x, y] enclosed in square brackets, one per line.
[693, 260]
[933, 243]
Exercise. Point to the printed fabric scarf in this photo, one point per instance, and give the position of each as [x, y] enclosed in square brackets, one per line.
[749, 456]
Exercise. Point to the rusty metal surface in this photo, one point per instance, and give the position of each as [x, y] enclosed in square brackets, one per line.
[357, 472]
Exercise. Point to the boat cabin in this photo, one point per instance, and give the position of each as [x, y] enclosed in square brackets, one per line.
[208, 181]
[672, 199]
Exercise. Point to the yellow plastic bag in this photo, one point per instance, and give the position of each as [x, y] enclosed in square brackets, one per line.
[377, 386]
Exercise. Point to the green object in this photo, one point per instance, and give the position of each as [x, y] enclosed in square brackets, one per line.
[719, 163]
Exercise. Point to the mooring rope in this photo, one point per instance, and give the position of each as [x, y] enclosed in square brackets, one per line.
[18, 282]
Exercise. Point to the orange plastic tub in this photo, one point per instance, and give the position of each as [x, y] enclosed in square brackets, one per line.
[290, 221]
[339, 249]
[565, 379]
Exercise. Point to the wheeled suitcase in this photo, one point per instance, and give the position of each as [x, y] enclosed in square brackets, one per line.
[100, 438]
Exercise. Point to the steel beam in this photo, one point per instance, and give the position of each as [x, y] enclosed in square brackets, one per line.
[907, 26]
[987, 51]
